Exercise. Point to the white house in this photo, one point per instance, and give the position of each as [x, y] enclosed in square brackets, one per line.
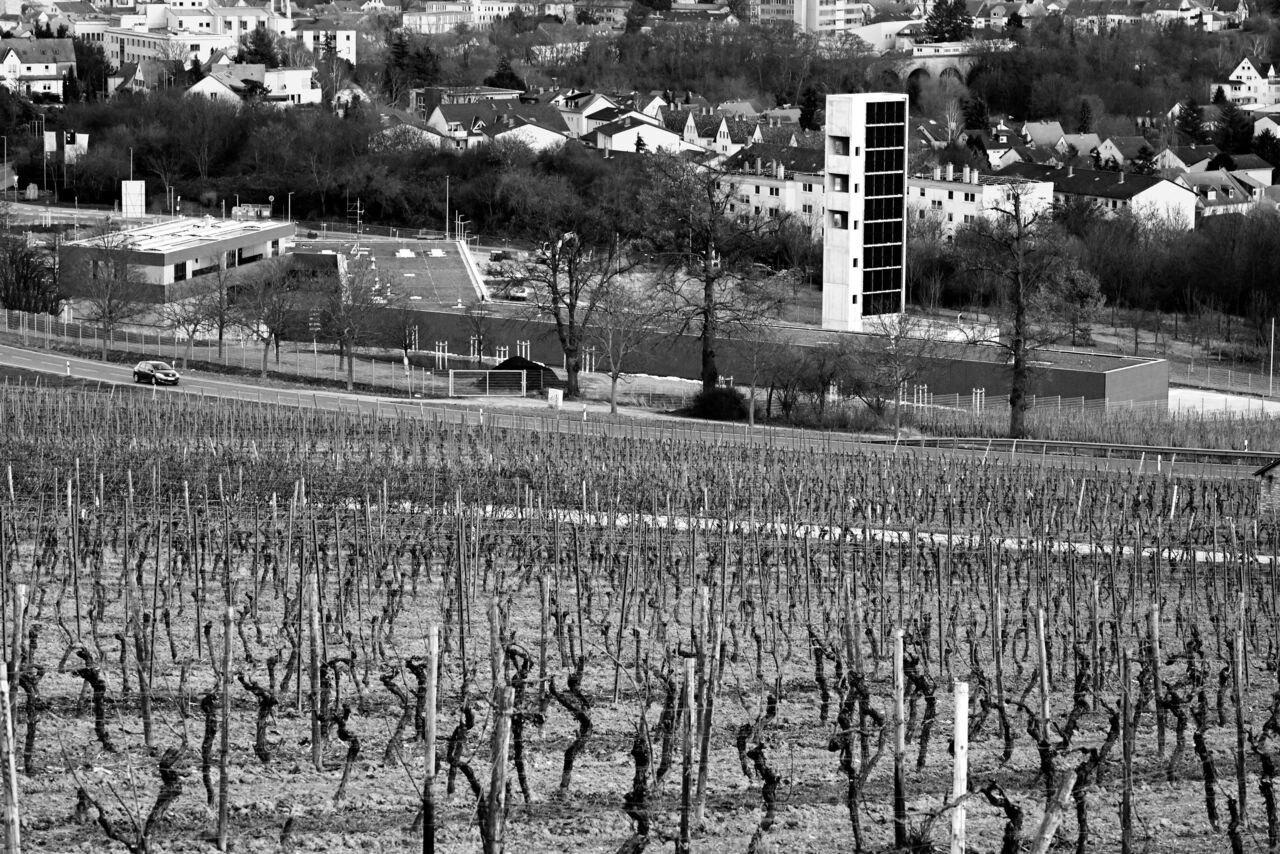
[469, 125]
[36, 66]
[1251, 82]
[284, 87]
[1145, 196]
[632, 135]
[957, 197]
[315, 35]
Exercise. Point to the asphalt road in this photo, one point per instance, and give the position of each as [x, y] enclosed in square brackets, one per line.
[528, 415]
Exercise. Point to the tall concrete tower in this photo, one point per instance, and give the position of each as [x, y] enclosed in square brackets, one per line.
[864, 237]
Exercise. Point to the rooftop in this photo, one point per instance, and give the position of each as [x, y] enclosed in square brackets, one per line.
[184, 233]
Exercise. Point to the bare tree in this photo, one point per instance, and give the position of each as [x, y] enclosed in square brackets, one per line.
[479, 323]
[267, 304]
[110, 288]
[187, 316]
[708, 239]
[898, 350]
[350, 308]
[1014, 251]
[624, 325]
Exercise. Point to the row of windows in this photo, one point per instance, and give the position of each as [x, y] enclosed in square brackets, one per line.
[887, 302]
[887, 184]
[889, 278]
[884, 232]
[878, 209]
[951, 194]
[890, 160]
[886, 136]
[886, 112]
[883, 256]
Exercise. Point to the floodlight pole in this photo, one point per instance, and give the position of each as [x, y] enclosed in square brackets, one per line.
[1271, 379]
[446, 207]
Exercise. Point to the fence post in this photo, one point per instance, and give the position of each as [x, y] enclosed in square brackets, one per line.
[960, 767]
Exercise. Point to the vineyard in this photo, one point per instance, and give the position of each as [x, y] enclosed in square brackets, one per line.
[236, 626]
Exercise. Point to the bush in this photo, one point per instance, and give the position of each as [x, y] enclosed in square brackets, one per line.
[719, 404]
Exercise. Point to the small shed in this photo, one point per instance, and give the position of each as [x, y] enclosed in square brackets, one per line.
[537, 376]
[1268, 495]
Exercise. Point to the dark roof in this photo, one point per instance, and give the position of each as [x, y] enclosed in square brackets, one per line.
[1249, 161]
[537, 375]
[1129, 146]
[626, 123]
[482, 113]
[45, 51]
[808, 161]
[1194, 153]
[608, 114]
[1085, 182]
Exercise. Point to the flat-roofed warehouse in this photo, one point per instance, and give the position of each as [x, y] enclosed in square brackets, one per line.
[168, 256]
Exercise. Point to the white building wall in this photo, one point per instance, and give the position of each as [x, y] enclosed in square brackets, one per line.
[962, 199]
[864, 233]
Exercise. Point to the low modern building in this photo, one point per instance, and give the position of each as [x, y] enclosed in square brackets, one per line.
[168, 255]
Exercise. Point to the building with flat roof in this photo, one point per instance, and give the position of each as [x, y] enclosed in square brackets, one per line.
[864, 239]
[957, 197]
[168, 255]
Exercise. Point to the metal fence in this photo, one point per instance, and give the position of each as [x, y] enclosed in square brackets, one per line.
[1225, 379]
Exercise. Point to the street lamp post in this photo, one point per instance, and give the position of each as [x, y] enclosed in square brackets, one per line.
[289, 202]
[446, 207]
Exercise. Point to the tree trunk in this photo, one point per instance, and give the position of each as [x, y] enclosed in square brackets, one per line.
[186, 358]
[1021, 370]
[572, 365]
[106, 335]
[266, 352]
[710, 374]
[613, 394]
[351, 366]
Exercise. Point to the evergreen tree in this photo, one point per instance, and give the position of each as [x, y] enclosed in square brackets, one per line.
[1084, 119]
[1144, 163]
[1219, 96]
[948, 21]
[1267, 146]
[1014, 22]
[1188, 123]
[259, 48]
[641, 146]
[70, 88]
[811, 105]
[505, 77]
[1235, 129]
[976, 114]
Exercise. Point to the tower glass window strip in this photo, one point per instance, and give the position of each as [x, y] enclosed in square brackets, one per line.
[883, 235]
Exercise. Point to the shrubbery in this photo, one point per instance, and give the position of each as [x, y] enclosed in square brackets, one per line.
[719, 404]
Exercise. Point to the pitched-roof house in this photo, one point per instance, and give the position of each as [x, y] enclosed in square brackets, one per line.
[1252, 81]
[1146, 196]
[36, 66]
[1220, 192]
[630, 134]
[1120, 150]
[468, 125]
[1186, 158]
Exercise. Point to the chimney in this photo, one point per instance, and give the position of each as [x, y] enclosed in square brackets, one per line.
[758, 167]
[1071, 171]
[965, 173]
[1121, 177]
[937, 173]
[779, 170]
[951, 172]
[973, 173]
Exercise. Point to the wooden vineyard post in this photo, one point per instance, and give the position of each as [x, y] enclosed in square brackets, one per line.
[497, 811]
[544, 597]
[1156, 687]
[317, 755]
[1126, 722]
[960, 768]
[429, 733]
[1237, 681]
[8, 766]
[19, 630]
[228, 618]
[899, 745]
[1042, 663]
[1096, 639]
[1053, 814]
[684, 842]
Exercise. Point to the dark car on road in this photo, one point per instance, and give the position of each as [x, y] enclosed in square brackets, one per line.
[156, 373]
